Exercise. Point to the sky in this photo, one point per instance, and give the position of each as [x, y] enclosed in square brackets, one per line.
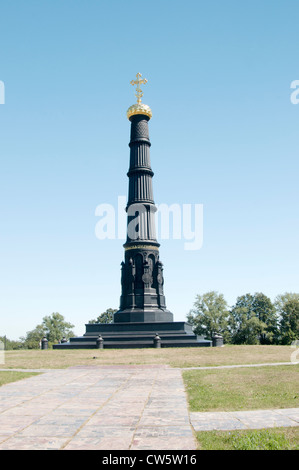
[224, 135]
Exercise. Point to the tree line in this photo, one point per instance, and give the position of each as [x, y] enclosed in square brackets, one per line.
[54, 327]
[254, 319]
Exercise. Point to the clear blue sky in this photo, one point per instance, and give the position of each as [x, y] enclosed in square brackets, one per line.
[224, 134]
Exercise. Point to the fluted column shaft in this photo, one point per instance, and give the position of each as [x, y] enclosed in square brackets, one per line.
[142, 298]
[140, 182]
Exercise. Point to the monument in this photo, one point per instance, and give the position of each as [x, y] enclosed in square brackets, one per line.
[142, 319]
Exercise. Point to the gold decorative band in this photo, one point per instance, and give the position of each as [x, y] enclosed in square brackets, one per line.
[141, 247]
[139, 108]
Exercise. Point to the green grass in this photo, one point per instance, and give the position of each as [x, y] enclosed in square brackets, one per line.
[265, 439]
[13, 376]
[174, 357]
[243, 389]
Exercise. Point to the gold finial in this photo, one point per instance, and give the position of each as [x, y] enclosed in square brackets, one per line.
[139, 108]
[138, 82]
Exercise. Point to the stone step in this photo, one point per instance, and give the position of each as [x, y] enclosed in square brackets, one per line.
[133, 343]
[136, 335]
[133, 337]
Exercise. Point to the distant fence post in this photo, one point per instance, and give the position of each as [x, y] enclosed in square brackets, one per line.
[217, 341]
[157, 341]
[44, 343]
[100, 342]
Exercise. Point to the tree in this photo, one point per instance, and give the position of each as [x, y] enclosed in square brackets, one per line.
[287, 306]
[245, 327]
[209, 315]
[55, 328]
[10, 343]
[265, 311]
[33, 338]
[105, 317]
[253, 320]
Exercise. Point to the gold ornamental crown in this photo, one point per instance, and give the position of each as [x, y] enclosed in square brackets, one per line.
[139, 108]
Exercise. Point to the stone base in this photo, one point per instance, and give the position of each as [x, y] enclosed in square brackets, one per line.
[136, 335]
[143, 316]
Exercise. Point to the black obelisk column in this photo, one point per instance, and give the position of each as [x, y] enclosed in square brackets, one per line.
[142, 314]
[142, 297]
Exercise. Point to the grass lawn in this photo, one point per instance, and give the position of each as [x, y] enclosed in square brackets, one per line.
[174, 357]
[13, 376]
[243, 389]
[265, 439]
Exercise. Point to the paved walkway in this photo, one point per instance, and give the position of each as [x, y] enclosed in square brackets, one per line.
[113, 408]
[229, 421]
[97, 408]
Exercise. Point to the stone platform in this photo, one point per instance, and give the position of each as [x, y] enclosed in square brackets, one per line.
[94, 408]
[136, 335]
[129, 407]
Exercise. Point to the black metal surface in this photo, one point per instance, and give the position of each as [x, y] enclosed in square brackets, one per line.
[142, 293]
[142, 320]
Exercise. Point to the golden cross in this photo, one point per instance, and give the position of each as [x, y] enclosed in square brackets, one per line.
[138, 82]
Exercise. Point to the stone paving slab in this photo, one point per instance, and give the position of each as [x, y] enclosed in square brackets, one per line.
[238, 366]
[259, 419]
[163, 437]
[114, 408]
[33, 443]
[111, 408]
